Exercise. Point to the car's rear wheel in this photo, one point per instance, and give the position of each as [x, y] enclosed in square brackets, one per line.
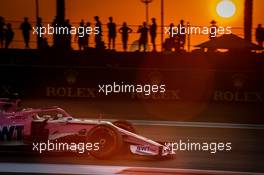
[109, 141]
[125, 125]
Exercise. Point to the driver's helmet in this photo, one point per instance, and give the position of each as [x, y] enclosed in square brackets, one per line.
[58, 117]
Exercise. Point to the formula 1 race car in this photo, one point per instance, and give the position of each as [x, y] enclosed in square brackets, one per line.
[56, 125]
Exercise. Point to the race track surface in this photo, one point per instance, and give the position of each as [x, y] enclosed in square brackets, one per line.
[246, 154]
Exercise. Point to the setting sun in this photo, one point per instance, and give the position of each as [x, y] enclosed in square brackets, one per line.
[226, 8]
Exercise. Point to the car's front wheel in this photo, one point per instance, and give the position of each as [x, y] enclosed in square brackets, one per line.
[107, 138]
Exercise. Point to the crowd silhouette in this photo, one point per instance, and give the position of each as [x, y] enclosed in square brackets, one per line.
[26, 28]
[176, 43]
[111, 33]
[125, 31]
[83, 41]
[153, 33]
[6, 33]
[260, 35]
[143, 39]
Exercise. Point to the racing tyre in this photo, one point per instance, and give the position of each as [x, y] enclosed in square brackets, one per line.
[107, 138]
[125, 125]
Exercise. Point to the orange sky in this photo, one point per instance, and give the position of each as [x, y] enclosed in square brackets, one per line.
[197, 12]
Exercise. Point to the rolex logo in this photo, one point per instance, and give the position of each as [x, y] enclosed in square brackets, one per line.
[238, 80]
[71, 76]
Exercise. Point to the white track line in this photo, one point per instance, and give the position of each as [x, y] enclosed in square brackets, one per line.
[103, 170]
[198, 124]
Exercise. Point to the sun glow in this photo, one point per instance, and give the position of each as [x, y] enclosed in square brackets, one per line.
[226, 9]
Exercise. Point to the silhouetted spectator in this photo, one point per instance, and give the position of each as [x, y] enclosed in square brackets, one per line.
[171, 42]
[56, 37]
[80, 36]
[182, 35]
[124, 30]
[68, 36]
[172, 30]
[9, 35]
[111, 33]
[2, 25]
[87, 36]
[45, 43]
[213, 30]
[153, 33]
[26, 27]
[260, 35]
[143, 40]
[39, 38]
[98, 37]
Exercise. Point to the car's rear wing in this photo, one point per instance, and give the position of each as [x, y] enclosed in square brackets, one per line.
[10, 105]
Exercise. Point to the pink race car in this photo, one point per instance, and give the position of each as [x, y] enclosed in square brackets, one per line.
[9, 104]
[46, 125]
